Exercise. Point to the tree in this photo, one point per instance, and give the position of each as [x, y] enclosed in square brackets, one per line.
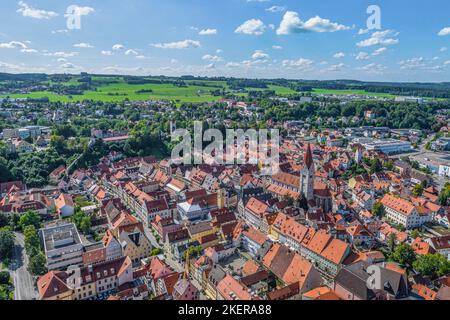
[415, 234]
[378, 210]
[5, 278]
[404, 255]
[433, 265]
[32, 242]
[302, 202]
[375, 166]
[37, 264]
[7, 238]
[417, 190]
[31, 218]
[444, 196]
[391, 241]
[4, 220]
[82, 221]
[289, 200]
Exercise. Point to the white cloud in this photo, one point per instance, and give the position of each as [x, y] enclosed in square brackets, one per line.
[363, 31]
[13, 45]
[219, 51]
[292, 23]
[277, 47]
[362, 56]
[259, 54]
[252, 27]
[339, 55]
[106, 53]
[274, 9]
[379, 51]
[212, 58]
[28, 11]
[83, 45]
[336, 67]
[61, 54]
[208, 32]
[80, 11]
[131, 52]
[374, 68]
[444, 32]
[233, 65]
[68, 65]
[60, 31]
[378, 38]
[413, 63]
[443, 49]
[300, 63]
[118, 47]
[28, 50]
[185, 44]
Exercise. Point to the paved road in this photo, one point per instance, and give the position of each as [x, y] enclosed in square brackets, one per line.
[24, 288]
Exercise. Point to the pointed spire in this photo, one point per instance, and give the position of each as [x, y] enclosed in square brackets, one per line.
[308, 156]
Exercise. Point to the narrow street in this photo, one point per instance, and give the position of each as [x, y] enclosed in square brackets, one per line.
[24, 288]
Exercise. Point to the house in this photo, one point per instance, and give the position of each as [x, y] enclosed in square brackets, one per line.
[52, 286]
[440, 245]
[64, 205]
[164, 226]
[185, 290]
[404, 212]
[231, 289]
[359, 235]
[213, 277]
[132, 238]
[254, 212]
[351, 283]
[252, 240]
[86, 282]
[320, 293]
[62, 246]
[289, 267]
[57, 174]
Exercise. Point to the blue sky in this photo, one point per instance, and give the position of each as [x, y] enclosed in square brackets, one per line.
[305, 39]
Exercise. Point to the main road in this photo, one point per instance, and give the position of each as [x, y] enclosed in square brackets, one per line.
[24, 288]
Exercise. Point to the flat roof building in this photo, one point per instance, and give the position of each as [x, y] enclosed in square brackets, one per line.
[62, 245]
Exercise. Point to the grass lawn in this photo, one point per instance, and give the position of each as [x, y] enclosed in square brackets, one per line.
[355, 92]
[122, 91]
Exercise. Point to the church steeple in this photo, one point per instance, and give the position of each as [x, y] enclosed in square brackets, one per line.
[308, 156]
[307, 175]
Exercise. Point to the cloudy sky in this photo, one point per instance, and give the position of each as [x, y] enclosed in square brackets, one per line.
[302, 39]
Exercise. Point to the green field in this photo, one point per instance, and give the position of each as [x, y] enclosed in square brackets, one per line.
[116, 89]
[122, 91]
[354, 92]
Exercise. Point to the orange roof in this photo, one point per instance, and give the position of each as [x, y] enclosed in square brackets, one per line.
[421, 247]
[424, 292]
[51, 284]
[250, 267]
[400, 205]
[232, 289]
[256, 207]
[255, 235]
[321, 293]
[63, 200]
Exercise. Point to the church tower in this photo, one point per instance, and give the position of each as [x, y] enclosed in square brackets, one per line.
[307, 175]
